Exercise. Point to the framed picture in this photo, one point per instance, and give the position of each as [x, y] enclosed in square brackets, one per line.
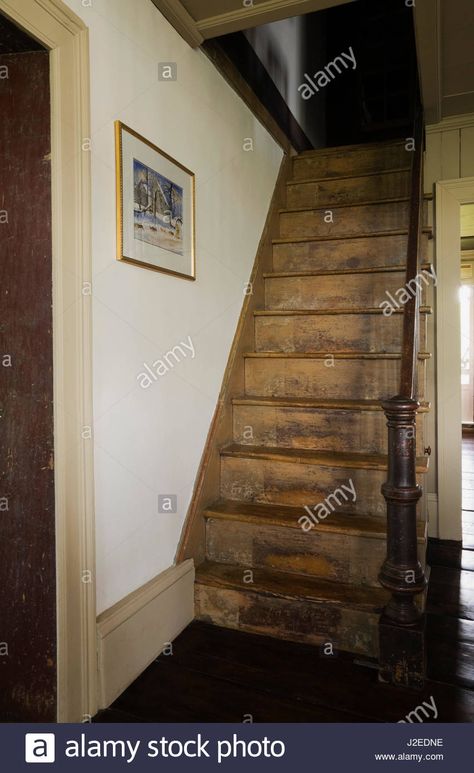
[155, 207]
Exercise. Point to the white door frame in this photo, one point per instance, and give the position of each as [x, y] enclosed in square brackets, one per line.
[61, 31]
[449, 196]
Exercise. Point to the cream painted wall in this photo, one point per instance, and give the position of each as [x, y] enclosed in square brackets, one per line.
[449, 156]
[449, 150]
[150, 442]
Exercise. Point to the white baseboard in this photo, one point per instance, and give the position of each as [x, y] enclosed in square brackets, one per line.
[132, 633]
[432, 506]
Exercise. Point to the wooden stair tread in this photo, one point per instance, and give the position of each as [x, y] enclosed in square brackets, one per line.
[309, 180]
[286, 516]
[323, 458]
[343, 237]
[332, 311]
[345, 204]
[336, 355]
[309, 402]
[358, 146]
[290, 586]
[342, 271]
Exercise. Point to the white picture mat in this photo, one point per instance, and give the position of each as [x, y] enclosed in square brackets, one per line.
[133, 148]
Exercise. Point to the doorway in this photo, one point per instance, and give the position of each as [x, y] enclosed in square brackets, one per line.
[467, 372]
[64, 38]
[27, 525]
[454, 359]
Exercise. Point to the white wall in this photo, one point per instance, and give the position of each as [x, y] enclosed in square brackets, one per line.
[150, 442]
[449, 150]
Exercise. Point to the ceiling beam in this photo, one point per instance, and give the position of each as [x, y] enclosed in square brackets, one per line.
[247, 16]
[196, 30]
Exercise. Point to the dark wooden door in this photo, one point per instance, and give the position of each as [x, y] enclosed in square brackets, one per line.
[27, 513]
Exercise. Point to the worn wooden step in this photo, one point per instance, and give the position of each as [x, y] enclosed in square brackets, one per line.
[342, 548]
[288, 606]
[348, 251]
[331, 291]
[299, 477]
[355, 375]
[356, 426]
[344, 459]
[348, 190]
[362, 159]
[356, 329]
[325, 403]
[287, 516]
[377, 217]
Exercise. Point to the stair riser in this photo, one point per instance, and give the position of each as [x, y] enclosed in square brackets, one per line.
[315, 428]
[332, 333]
[349, 629]
[285, 483]
[344, 253]
[337, 557]
[349, 191]
[342, 291]
[369, 218]
[363, 161]
[355, 379]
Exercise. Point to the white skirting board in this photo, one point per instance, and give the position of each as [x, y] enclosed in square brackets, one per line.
[132, 633]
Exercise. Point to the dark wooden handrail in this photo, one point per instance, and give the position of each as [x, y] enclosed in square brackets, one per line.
[410, 346]
[401, 630]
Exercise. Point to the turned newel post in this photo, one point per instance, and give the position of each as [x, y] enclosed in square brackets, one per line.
[401, 624]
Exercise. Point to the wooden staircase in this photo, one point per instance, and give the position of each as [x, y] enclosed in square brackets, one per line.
[309, 428]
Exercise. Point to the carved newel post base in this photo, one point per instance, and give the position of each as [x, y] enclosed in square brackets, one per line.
[401, 628]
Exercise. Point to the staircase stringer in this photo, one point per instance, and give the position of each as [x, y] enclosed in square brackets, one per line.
[192, 543]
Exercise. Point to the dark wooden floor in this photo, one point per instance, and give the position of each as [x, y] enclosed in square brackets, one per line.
[219, 675]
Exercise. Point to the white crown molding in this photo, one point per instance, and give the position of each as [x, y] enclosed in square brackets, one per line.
[181, 20]
[464, 121]
[195, 31]
[244, 17]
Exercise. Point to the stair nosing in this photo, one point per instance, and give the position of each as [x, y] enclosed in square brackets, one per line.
[347, 205]
[264, 588]
[337, 355]
[332, 525]
[331, 311]
[352, 461]
[349, 148]
[309, 180]
[368, 270]
[328, 403]
[349, 236]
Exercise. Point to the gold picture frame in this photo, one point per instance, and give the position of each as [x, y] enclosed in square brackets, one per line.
[155, 207]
